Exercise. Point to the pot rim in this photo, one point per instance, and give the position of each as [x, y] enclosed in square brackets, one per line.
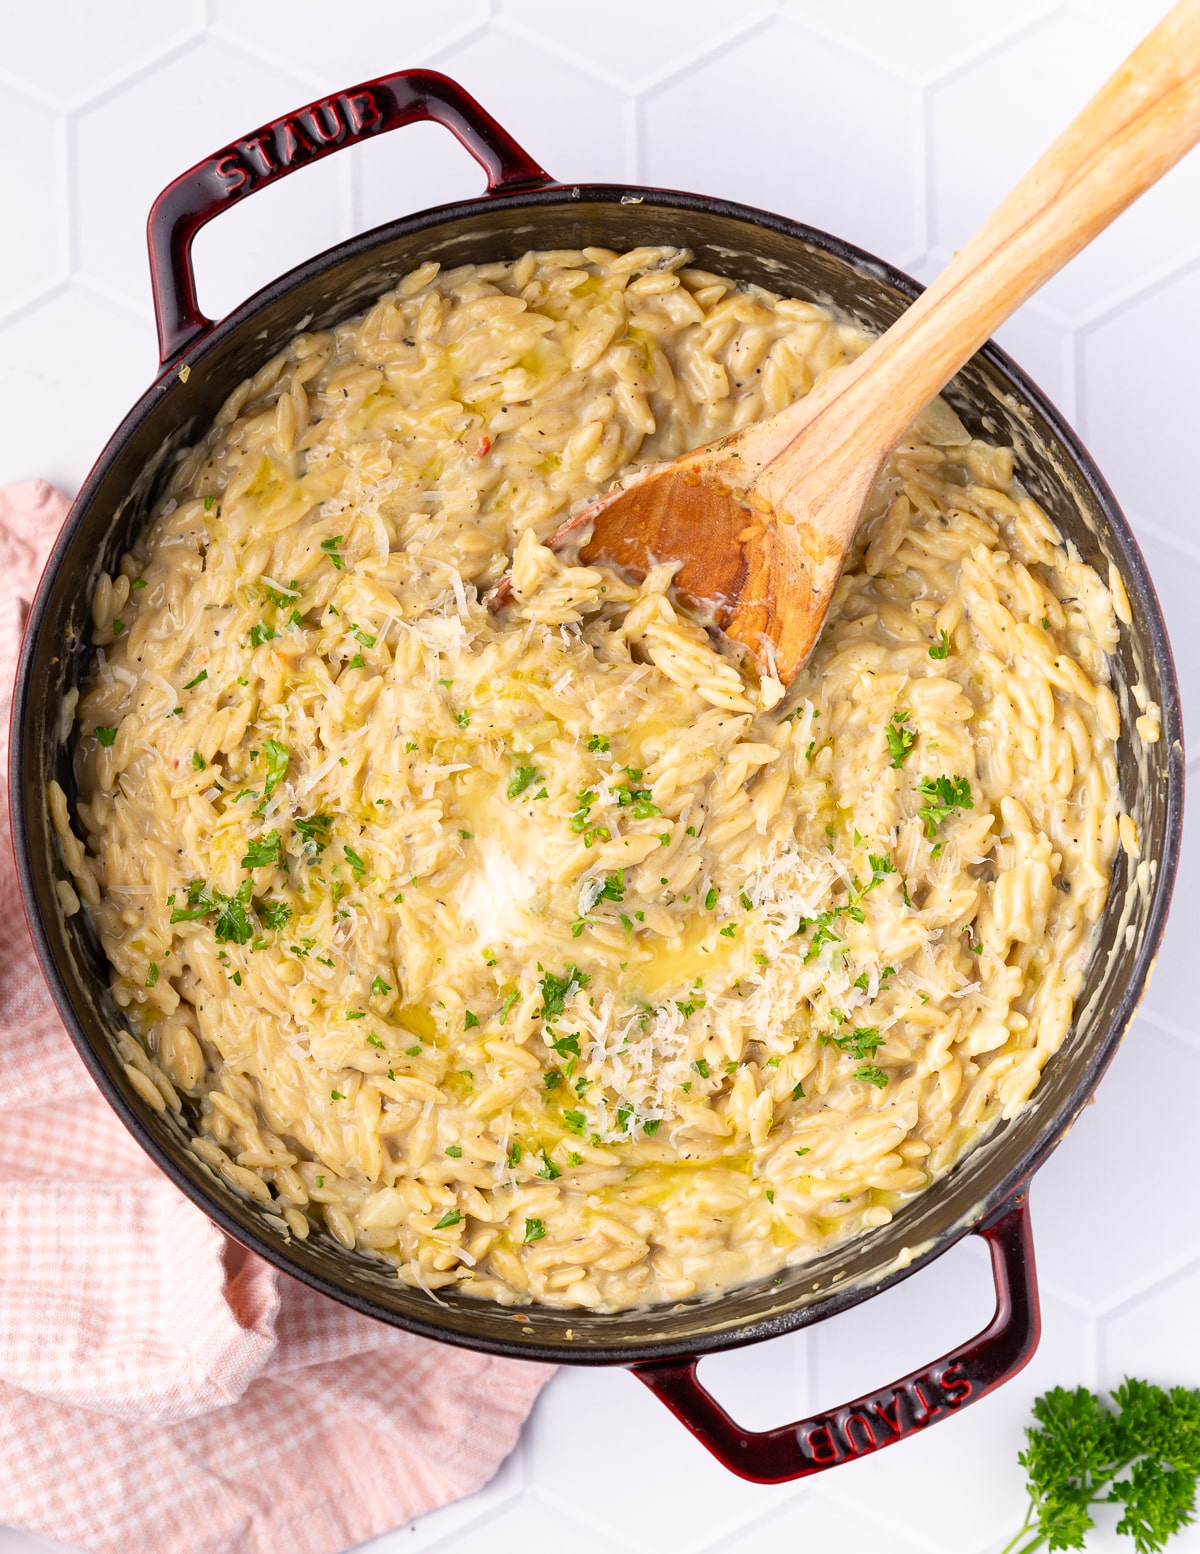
[837, 1298]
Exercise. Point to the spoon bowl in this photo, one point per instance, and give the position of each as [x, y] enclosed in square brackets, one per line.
[760, 523]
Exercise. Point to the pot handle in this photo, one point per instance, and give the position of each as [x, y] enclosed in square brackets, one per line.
[312, 132]
[925, 1396]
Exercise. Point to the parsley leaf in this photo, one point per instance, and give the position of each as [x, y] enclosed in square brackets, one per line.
[453, 1217]
[535, 1229]
[262, 852]
[275, 914]
[260, 632]
[941, 648]
[105, 734]
[277, 758]
[525, 777]
[943, 795]
[862, 1042]
[234, 924]
[330, 547]
[900, 738]
[197, 680]
[355, 862]
[556, 990]
[315, 833]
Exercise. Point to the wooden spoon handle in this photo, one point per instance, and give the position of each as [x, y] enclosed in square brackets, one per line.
[1138, 125]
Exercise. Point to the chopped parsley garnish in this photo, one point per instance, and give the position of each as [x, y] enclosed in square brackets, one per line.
[566, 1046]
[798, 1095]
[574, 1122]
[260, 632]
[262, 852]
[900, 738]
[355, 1014]
[728, 931]
[277, 757]
[363, 637]
[506, 1004]
[233, 924]
[525, 777]
[452, 1217]
[581, 820]
[549, 1171]
[138, 582]
[871, 1074]
[941, 648]
[862, 1042]
[556, 990]
[379, 987]
[534, 1230]
[117, 628]
[152, 975]
[628, 795]
[463, 718]
[208, 503]
[105, 734]
[470, 1021]
[330, 547]
[336, 1095]
[552, 1079]
[413, 1052]
[701, 1067]
[355, 862]
[454, 1151]
[943, 795]
[275, 914]
[375, 1041]
[514, 1154]
[710, 899]
[598, 744]
[315, 832]
[198, 761]
[651, 1127]
[196, 680]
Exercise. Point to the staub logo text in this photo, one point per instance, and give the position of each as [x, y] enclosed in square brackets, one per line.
[851, 1432]
[298, 137]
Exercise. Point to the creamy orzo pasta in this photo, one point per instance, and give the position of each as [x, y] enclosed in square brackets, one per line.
[541, 953]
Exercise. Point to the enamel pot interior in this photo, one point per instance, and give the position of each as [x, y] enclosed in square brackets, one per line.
[994, 400]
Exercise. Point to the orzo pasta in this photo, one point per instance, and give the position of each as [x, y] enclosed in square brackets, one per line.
[543, 954]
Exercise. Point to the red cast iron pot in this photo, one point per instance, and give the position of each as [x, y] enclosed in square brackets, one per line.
[525, 208]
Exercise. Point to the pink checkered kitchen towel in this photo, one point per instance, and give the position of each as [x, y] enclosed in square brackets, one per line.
[162, 1390]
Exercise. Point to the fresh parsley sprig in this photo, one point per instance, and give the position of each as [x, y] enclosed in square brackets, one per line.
[1079, 1450]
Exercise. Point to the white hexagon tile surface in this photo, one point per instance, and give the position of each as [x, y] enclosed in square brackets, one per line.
[894, 125]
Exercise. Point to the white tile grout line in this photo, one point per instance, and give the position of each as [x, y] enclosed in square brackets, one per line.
[112, 86]
[985, 50]
[713, 45]
[1163, 536]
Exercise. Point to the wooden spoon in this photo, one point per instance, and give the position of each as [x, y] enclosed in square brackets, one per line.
[761, 521]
